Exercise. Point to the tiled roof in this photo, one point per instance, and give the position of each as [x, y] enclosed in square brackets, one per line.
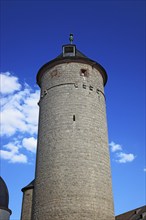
[135, 214]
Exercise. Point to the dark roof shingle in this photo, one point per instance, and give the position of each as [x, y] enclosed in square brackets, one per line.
[135, 214]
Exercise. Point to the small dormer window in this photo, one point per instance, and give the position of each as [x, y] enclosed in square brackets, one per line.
[69, 50]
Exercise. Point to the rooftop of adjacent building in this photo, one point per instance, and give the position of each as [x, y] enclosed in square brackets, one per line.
[71, 54]
[29, 186]
[135, 214]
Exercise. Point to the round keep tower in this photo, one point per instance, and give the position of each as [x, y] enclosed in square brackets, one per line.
[73, 178]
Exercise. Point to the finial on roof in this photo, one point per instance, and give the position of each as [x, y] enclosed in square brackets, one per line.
[71, 38]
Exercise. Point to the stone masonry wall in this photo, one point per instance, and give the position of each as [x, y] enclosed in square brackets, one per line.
[73, 179]
[27, 205]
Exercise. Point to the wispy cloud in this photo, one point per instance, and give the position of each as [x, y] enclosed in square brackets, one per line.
[19, 111]
[11, 151]
[119, 155]
[19, 118]
[12, 154]
[7, 85]
[124, 158]
[115, 147]
[144, 169]
[30, 144]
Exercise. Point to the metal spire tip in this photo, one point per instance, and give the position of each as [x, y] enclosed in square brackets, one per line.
[71, 38]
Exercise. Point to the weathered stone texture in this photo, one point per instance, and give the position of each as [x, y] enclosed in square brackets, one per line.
[73, 180]
[27, 205]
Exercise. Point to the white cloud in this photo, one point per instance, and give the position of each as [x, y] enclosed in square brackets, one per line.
[12, 154]
[124, 158]
[115, 147]
[9, 83]
[30, 110]
[144, 169]
[30, 144]
[19, 118]
[121, 157]
[19, 111]
[12, 120]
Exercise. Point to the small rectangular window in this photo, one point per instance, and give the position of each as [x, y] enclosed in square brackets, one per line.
[84, 72]
[69, 51]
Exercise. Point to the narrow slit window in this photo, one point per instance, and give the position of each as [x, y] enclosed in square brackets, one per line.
[74, 118]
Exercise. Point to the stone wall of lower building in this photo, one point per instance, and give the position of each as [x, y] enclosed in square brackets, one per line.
[26, 213]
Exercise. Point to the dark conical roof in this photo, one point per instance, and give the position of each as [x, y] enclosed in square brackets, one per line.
[4, 195]
[29, 186]
[78, 57]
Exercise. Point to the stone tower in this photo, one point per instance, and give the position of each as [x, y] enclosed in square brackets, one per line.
[73, 179]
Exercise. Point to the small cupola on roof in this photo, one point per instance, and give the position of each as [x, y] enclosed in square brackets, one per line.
[69, 50]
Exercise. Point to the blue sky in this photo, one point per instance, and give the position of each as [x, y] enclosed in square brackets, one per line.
[109, 32]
